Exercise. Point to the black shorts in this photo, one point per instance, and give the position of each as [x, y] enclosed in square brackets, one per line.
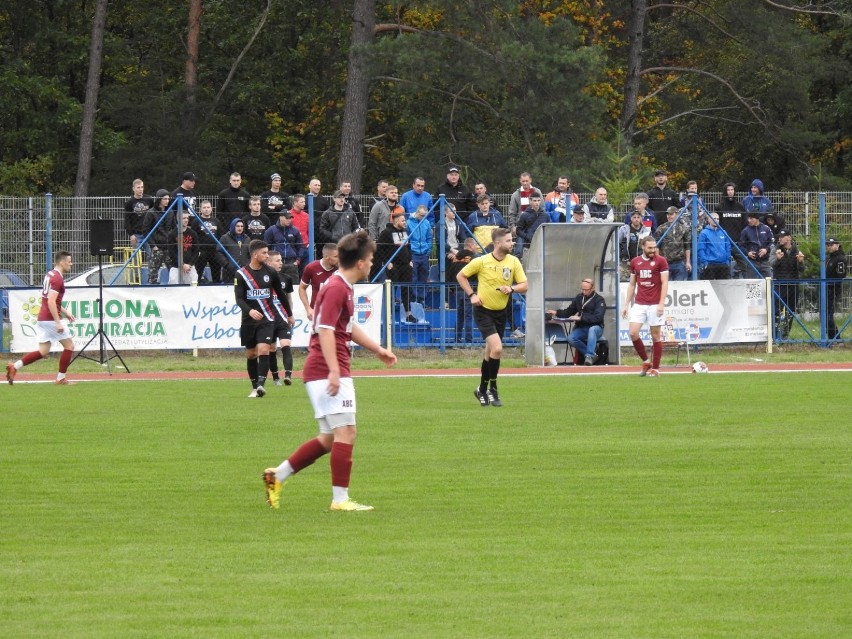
[282, 329]
[490, 322]
[253, 334]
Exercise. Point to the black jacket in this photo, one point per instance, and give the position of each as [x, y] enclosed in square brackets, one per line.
[835, 265]
[659, 200]
[732, 216]
[590, 309]
[459, 196]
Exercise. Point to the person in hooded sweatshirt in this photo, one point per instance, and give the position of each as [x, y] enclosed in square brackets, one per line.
[162, 238]
[235, 242]
[756, 200]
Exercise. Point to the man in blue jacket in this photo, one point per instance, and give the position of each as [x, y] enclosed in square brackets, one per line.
[410, 200]
[420, 240]
[287, 240]
[714, 251]
[756, 200]
[587, 312]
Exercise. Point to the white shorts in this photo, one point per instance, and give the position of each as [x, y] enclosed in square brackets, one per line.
[46, 332]
[332, 412]
[646, 314]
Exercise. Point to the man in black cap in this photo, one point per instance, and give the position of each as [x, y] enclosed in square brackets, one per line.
[456, 193]
[757, 242]
[187, 190]
[787, 262]
[835, 271]
[661, 197]
[273, 201]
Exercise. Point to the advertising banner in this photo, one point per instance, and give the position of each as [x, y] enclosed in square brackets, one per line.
[168, 317]
[711, 312]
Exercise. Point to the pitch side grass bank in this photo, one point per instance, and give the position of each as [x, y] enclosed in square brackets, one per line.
[685, 506]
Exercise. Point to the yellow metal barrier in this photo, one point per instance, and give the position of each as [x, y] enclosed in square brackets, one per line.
[133, 272]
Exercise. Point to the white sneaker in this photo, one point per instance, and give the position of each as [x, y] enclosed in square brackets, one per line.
[253, 393]
[518, 334]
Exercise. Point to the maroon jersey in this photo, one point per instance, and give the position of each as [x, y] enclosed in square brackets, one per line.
[649, 284]
[334, 309]
[53, 281]
[315, 275]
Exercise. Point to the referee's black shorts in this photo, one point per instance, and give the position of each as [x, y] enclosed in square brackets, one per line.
[257, 333]
[490, 322]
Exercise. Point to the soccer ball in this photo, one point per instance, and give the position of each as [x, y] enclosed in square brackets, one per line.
[700, 367]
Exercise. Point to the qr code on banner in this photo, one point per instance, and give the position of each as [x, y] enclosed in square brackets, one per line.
[754, 291]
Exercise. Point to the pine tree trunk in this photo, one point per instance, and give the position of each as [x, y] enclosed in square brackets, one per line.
[90, 108]
[636, 36]
[351, 161]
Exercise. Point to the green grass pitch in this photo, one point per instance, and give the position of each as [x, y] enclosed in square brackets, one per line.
[686, 506]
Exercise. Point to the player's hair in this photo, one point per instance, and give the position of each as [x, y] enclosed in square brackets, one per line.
[329, 248]
[256, 245]
[354, 247]
[137, 182]
[499, 233]
[646, 239]
[61, 256]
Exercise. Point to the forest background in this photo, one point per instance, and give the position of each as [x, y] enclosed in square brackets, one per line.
[96, 94]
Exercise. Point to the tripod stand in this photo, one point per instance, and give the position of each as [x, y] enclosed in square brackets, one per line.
[103, 339]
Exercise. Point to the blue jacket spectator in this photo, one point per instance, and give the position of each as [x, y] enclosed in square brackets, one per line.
[410, 200]
[286, 239]
[529, 221]
[757, 201]
[420, 236]
[485, 220]
[714, 251]
[757, 242]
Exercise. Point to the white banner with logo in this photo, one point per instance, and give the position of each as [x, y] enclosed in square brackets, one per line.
[711, 312]
[176, 317]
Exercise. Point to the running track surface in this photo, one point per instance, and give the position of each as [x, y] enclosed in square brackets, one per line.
[755, 367]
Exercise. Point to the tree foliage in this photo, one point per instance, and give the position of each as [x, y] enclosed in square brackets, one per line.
[725, 90]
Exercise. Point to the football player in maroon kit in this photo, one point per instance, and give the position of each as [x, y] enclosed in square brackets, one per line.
[315, 275]
[328, 379]
[649, 279]
[50, 327]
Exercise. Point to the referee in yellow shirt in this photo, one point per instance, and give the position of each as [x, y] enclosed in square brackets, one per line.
[499, 274]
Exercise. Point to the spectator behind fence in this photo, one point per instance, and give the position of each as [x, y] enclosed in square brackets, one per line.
[787, 262]
[380, 214]
[640, 205]
[235, 244]
[481, 189]
[351, 200]
[598, 209]
[420, 234]
[835, 271]
[381, 191]
[520, 199]
[273, 201]
[186, 274]
[559, 203]
[232, 202]
[456, 193]
[464, 309]
[394, 236]
[529, 221]
[256, 222]
[204, 227]
[134, 213]
[284, 238]
[578, 215]
[483, 222]
[775, 222]
[301, 219]
[161, 225]
[629, 242]
[756, 200]
[757, 242]
[732, 214]
[187, 190]
[337, 221]
[661, 197]
[714, 251]
[320, 203]
[454, 233]
[587, 311]
[410, 200]
[686, 202]
[676, 246]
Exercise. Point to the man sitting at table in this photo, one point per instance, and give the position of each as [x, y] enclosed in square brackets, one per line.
[587, 312]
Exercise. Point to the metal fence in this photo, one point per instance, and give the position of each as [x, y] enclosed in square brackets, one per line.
[34, 228]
